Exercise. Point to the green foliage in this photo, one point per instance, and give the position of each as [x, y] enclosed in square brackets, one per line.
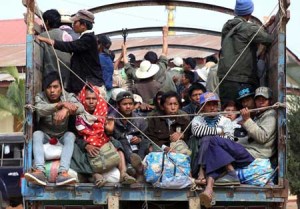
[14, 100]
[294, 144]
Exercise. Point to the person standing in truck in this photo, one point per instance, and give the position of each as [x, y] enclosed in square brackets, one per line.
[84, 61]
[53, 110]
[237, 33]
[52, 20]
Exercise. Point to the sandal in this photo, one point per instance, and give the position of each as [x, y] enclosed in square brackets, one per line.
[126, 179]
[99, 180]
[208, 200]
[200, 181]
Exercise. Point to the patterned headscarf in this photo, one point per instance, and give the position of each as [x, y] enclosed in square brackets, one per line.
[94, 134]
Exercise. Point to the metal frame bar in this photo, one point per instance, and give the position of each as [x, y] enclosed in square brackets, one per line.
[190, 4]
[159, 29]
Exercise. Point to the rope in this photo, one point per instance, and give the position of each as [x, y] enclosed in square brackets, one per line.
[274, 106]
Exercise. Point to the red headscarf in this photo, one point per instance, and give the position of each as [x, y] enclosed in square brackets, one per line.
[94, 134]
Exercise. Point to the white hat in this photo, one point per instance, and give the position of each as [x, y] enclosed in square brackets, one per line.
[65, 17]
[178, 61]
[146, 70]
[203, 73]
[137, 98]
[115, 92]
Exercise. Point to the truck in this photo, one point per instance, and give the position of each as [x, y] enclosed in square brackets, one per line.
[11, 169]
[114, 195]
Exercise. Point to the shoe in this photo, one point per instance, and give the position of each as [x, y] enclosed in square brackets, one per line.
[36, 177]
[64, 178]
[131, 171]
[126, 179]
[228, 180]
[136, 161]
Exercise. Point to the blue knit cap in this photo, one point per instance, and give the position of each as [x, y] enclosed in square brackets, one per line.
[243, 7]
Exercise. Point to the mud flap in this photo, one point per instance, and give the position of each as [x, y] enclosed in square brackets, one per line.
[113, 202]
[194, 203]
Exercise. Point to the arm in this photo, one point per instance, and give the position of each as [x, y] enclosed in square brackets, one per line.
[44, 108]
[261, 132]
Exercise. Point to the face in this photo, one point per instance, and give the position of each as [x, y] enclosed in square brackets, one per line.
[184, 80]
[248, 102]
[261, 101]
[195, 97]
[211, 106]
[77, 27]
[90, 101]
[171, 106]
[126, 106]
[53, 91]
[230, 115]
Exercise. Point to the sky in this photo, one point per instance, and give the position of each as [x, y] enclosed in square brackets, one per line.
[157, 15]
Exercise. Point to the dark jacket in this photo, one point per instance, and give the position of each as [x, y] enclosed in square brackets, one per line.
[236, 34]
[107, 67]
[84, 61]
[159, 131]
[191, 108]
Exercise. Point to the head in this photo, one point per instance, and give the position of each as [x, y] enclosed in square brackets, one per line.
[230, 107]
[195, 90]
[65, 18]
[151, 57]
[177, 61]
[157, 99]
[263, 97]
[211, 58]
[125, 103]
[104, 43]
[138, 100]
[170, 103]
[52, 19]
[82, 21]
[187, 78]
[189, 63]
[246, 97]
[131, 59]
[209, 102]
[146, 70]
[90, 100]
[243, 8]
[52, 87]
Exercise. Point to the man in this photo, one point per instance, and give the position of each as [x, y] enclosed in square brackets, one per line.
[185, 83]
[52, 20]
[236, 35]
[176, 72]
[106, 62]
[85, 60]
[212, 81]
[162, 76]
[227, 155]
[195, 90]
[129, 135]
[53, 112]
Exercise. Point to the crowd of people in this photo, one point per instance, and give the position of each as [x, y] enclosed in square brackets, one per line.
[136, 107]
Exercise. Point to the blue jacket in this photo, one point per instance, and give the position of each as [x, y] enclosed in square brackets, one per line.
[107, 67]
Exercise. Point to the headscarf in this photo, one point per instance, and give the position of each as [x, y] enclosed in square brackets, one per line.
[93, 132]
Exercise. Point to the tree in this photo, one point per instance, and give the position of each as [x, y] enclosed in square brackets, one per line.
[13, 102]
[293, 146]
